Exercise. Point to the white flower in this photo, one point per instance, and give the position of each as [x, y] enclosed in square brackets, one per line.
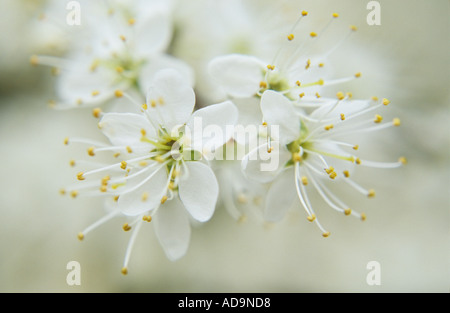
[159, 173]
[120, 45]
[312, 151]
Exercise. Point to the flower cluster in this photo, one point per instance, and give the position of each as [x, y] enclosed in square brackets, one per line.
[275, 135]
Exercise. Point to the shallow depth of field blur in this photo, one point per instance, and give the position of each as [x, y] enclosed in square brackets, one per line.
[405, 59]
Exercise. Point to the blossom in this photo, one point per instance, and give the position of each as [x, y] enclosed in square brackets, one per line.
[120, 45]
[162, 174]
[312, 151]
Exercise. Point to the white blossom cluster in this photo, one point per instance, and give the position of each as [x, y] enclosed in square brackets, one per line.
[231, 102]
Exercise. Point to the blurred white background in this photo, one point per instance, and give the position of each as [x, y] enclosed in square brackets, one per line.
[405, 59]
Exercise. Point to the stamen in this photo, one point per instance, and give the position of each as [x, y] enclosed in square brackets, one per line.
[130, 248]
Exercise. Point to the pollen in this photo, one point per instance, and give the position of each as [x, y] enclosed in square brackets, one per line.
[385, 101]
[313, 34]
[355, 147]
[129, 150]
[124, 271]
[358, 75]
[346, 173]
[347, 212]
[147, 218]
[62, 191]
[118, 93]
[304, 13]
[326, 234]
[340, 95]
[123, 165]
[402, 160]
[353, 28]
[66, 141]
[329, 170]
[374, 98]
[103, 188]
[95, 93]
[358, 161]
[74, 193]
[298, 83]
[290, 37]
[263, 85]
[34, 60]
[333, 175]
[335, 15]
[164, 199]
[342, 116]
[317, 95]
[131, 21]
[90, 151]
[371, 193]
[304, 180]
[363, 217]
[378, 118]
[116, 155]
[396, 122]
[119, 69]
[301, 95]
[161, 100]
[80, 176]
[296, 157]
[308, 64]
[72, 163]
[80, 236]
[123, 38]
[126, 227]
[96, 112]
[328, 127]
[144, 196]
[311, 218]
[321, 64]
[159, 159]
[271, 67]
[116, 198]
[105, 180]
[145, 106]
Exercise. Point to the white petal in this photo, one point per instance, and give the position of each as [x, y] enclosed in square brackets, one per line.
[279, 111]
[212, 126]
[239, 75]
[145, 198]
[173, 97]
[172, 228]
[262, 166]
[124, 129]
[163, 61]
[199, 191]
[280, 196]
[346, 107]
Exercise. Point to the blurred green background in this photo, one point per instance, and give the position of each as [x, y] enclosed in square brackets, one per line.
[405, 59]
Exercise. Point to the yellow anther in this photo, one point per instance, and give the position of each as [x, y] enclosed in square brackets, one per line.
[90, 151]
[270, 150]
[402, 160]
[143, 132]
[304, 13]
[329, 170]
[242, 219]
[290, 37]
[118, 93]
[326, 234]
[358, 75]
[153, 103]
[79, 101]
[144, 196]
[347, 212]
[72, 163]
[55, 71]
[371, 193]
[80, 176]
[123, 38]
[80, 236]
[311, 218]
[66, 141]
[116, 198]
[320, 82]
[363, 217]
[271, 67]
[298, 83]
[147, 218]
[317, 95]
[123, 165]
[349, 94]
[346, 173]
[143, 163]
[385, 101]
[131, 21]
[34, 60]
[116, 155]
[263, 85]
[96, 112]
[110, 11]
[313, 34]
[145, 106]
[103, 188]
[301, 95]
[175, 173]
[51, 103]
[374, 98]
[161, 100]
[378, 118]
[340, 95]
[164, 199]
[120, 69]
[126, 227]
[124, 271]
[321, 64]
[74, 193]
[105, 179]
[342, 116]
[159, 159]
[308, 64]
[358, 161]
[296, 157]
[328, 127]
[172, 185]
[333, 175]
[95, 93]
[62, 191]
[335, 15]
[242, 199]
[304, 180]
[129, 150]
[353, 28]
[355, 147]
[396, 121]
[264, 124]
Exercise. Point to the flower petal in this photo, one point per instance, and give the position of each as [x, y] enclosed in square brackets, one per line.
[170, 99]
[280, 197]
[199, 191]
[146, 197]
[279, 111]
[125, 129]
[211, 127]
[172, 228]
[239, 75]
